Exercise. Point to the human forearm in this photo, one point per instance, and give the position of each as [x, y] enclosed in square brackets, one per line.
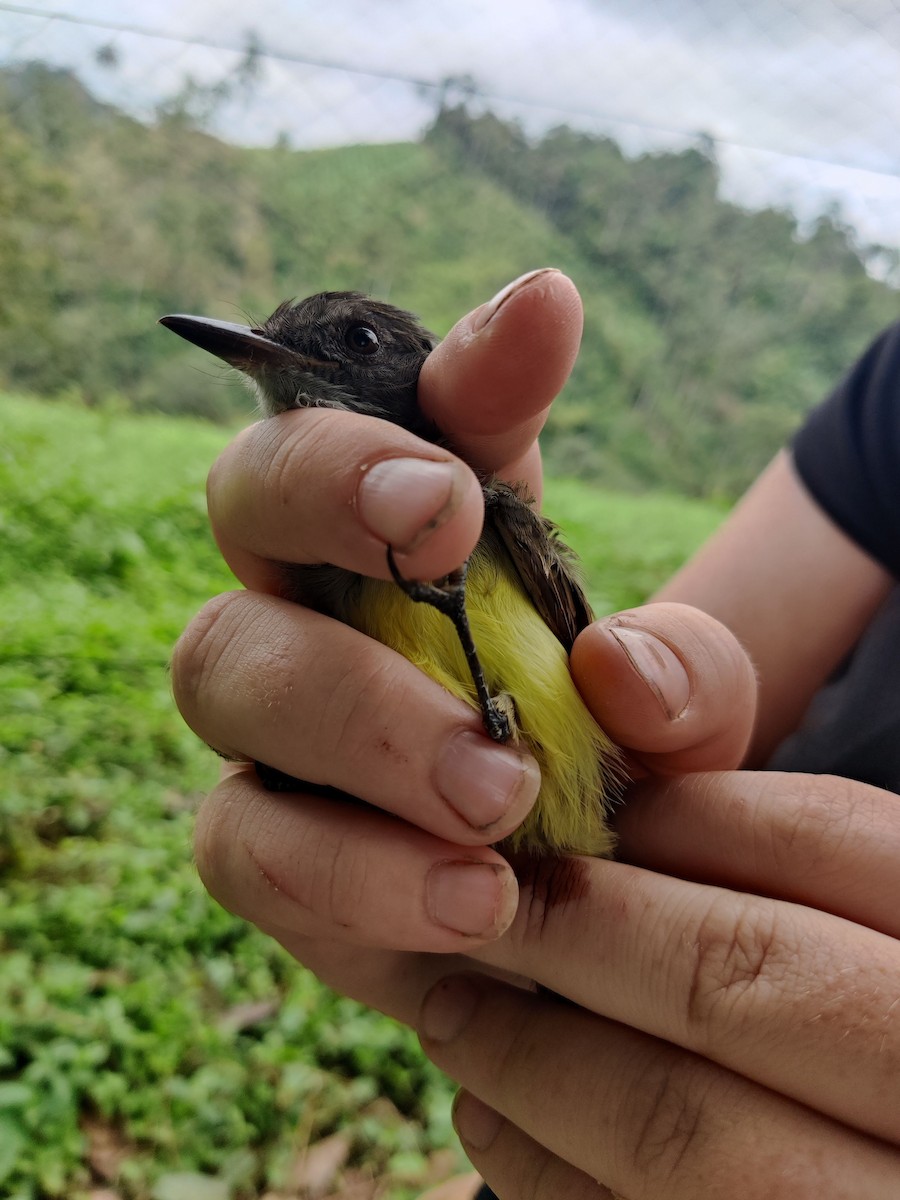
[794, 589]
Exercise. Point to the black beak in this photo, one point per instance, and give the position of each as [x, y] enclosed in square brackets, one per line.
[238, 345]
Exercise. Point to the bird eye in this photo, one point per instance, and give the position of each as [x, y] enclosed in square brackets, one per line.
[361, 339]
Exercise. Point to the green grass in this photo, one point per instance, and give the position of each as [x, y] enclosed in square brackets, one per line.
[628, 544]
[120, 1063]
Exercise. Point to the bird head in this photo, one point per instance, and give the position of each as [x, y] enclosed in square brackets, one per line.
[334, 349]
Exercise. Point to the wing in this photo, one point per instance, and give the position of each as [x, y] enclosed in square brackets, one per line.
[547, 567]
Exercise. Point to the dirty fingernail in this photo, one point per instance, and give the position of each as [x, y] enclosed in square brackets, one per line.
[402, 500]
[485, 783]
[484, 314]
[658, 665]
[473, 898]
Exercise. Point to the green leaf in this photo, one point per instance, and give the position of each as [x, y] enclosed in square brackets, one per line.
[14, 1095]
[12, 1142]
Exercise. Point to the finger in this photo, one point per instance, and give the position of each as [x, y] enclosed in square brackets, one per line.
[393, 981]
[315, 867]
[514, 1164]
[669, 683]
[783, 994]
[648, 1119]
[457, 1187]
[334, 707]
[827, 842]
[318, 485]
[490, 383]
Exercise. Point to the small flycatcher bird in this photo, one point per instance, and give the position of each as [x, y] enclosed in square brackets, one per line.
[514, 608]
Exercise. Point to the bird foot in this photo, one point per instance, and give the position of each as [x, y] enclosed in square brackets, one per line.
[448, 596]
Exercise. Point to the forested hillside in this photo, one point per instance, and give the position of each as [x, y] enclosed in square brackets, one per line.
[709, 329]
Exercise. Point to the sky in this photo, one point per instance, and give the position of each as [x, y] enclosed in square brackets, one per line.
[802, 97]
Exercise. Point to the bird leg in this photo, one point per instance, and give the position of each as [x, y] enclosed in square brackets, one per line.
[448, 595]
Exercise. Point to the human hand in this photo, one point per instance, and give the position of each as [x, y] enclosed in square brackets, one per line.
[414, 870]
[739, 1029]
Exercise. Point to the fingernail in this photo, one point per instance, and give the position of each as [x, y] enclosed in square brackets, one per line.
[448, 1008]
[658, 665]
[485, 783]
[473, 898]
[476, 1124]
[489, 310]
[402, 500]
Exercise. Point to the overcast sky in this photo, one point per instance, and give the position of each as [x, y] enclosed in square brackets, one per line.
[802, 96]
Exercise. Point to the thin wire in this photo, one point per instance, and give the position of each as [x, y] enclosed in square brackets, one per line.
[215, 44]
[430, 84]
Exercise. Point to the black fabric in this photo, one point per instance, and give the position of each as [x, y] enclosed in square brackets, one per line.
[486, 1193]
[848, 456]
[852, 726]
[848, 452]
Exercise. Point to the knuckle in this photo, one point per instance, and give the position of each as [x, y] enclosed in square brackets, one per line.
[214, 839]
[332, 884]
[257, 855]
[736, 954]
[288, 465]
[198, 653]
[818, 822]
[670, 1122]
[345, 885]
[366, 702]
[233, 663]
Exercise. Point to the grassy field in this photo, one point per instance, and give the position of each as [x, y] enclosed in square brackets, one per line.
[151, 1045]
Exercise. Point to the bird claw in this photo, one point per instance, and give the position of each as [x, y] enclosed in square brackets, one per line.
[448, 596]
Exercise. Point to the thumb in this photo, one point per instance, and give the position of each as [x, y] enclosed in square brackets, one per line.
[490, 383]
[671, 685]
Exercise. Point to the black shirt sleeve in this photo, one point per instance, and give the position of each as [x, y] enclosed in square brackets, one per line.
[848, 452]
[848, 456]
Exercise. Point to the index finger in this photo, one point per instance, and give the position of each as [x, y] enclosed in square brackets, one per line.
[319, 485]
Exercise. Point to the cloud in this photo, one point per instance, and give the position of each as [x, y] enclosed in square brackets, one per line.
[802, 95]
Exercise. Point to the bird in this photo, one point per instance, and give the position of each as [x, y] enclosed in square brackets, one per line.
[497, 632]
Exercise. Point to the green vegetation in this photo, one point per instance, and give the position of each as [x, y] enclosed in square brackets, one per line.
[710, 329]
[146, 1036]
[150, 1042]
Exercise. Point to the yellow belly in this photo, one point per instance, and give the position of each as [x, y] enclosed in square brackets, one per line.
[521, 657]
